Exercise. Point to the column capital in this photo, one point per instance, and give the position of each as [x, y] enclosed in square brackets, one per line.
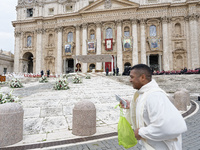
[98, 24]
[39, 31]
[84, 25]
[118, 22]
[134, 21]
[77, 26]
[59, 29]
[193, 17]
[143, 21]
[17, 33]
[165, 19]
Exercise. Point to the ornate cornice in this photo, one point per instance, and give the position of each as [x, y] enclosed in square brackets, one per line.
[165, 19]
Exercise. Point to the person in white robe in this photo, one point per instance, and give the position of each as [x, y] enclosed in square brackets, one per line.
[157, 123]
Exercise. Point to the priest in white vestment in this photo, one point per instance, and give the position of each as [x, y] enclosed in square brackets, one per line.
[157, 123]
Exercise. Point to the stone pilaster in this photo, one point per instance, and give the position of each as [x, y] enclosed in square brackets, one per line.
[189, 64]
[135, 42]
[59, 51]
[170, 44]
[39, 50]
[165, 43]
[119, 46]
[98, 37]
[84, 46]
[143, 41]
[194, 46]
[17, 51]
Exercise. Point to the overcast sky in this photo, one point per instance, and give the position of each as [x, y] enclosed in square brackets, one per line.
[7, 15]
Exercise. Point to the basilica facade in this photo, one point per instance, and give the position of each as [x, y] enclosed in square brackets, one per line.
[76, 35]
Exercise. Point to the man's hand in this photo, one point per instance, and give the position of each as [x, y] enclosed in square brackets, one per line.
[137, 136]
[127, 104]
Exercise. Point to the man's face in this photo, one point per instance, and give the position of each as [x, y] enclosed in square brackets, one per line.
[135, 79]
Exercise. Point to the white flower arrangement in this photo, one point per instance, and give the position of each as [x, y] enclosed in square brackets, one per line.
[2, 83]
[61, 84]
[77, 79]
[65, 76]
[88, 77]
[8, 98]
[43, 79]
[15, 83]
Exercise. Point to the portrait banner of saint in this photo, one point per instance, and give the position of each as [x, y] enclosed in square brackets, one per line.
[108, 44]
[68, 48]
[127, 44]
[154, 43]
[91, 47]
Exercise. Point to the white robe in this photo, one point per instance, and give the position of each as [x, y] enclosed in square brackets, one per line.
[160, 123]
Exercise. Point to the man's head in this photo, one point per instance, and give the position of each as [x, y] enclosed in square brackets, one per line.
[140, 75]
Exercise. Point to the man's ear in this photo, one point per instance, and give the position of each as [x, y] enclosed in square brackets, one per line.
[143, 77]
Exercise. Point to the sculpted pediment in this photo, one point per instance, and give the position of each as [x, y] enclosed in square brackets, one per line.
[102, 5]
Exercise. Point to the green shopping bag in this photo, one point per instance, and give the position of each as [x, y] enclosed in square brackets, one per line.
[126, 136]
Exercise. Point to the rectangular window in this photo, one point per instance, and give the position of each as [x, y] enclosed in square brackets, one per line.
[30, 12]
[69, 8]
[4, 70]
[51, 11]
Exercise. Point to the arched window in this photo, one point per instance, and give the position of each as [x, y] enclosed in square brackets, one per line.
[178, 28]
[109, 33]
[126, 32]
[92, 35]
[92, 66]
[29, 41]
[152, 31]
[70, 37]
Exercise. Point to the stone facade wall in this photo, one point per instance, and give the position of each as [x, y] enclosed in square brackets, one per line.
[176, 37]
[6, 61]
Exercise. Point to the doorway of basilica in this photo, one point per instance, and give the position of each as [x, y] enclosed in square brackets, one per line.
[69, 65]
[154, 62]
[27, 63]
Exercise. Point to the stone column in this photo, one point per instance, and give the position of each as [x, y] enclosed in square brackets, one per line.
[17, 52]
[84, 46]
[119, 46]
[143, 41]
[189, 64]
[135, 42]
[160, 62]
[64, 65]
[78, 45]
[98, 38]
[165, 43]
[59, 51]
[170, 54]
[194, 45]
[148, 61]
[39, 50]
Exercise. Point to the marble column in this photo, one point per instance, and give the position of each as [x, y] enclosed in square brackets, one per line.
[98, 38]
[135, 42]
[39, 50]
[17, 52]
[64, 66]
[148, 60]
[189, 64]
[78, 45]
[119, 46]
[59, 51]
[165, 44]
[84, 46]
[170, 54]
[160, 62]
[194, 45]
[143, 41]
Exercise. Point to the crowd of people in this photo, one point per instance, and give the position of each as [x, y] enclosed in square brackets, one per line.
[183, 71]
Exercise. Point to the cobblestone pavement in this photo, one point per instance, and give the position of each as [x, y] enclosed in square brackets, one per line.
[191, 139]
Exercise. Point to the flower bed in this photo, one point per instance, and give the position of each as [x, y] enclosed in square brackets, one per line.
[88, 77]
[43, 79]
[8, 98]
[77, 79]
[15, 83]
[61, 84]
